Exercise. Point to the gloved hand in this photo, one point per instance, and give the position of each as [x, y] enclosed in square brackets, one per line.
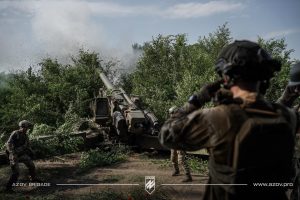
[290, 94]
[206, 93]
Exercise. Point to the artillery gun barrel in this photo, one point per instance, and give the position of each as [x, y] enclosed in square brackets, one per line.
[126, 97]
[109, 86]
[106, 82]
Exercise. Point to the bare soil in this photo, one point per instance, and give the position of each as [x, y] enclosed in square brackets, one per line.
[64, 170]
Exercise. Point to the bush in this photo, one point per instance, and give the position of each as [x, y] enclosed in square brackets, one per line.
[99, 157]
[197, 165]
[58, 145]
[61, 142]
[2, 145]
[41, 129]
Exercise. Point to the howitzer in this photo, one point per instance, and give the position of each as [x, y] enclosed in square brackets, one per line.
[123, 115]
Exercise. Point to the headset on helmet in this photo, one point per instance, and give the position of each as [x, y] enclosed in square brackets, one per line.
[246, 60]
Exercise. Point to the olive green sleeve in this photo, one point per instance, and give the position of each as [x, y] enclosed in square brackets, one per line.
[10, 143]
[288, 97]
[187, 132]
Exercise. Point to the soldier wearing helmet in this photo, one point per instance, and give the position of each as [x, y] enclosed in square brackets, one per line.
[290, 94]
[179, 156]
[292, 90]
[19, 150]
[250, 140]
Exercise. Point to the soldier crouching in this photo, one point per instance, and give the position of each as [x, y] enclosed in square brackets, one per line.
[19, 151]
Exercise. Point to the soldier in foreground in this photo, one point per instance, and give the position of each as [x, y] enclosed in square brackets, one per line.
[179, 156]
[19, 150]
[250, 141]
[290, 94]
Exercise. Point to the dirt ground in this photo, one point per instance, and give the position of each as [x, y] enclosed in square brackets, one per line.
[64, 170]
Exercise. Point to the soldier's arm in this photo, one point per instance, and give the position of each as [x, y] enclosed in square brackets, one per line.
[10, 143]
[187, 132]
[288, 97]
[199, 99]
[188, 128]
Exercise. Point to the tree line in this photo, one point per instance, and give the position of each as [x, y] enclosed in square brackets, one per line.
[168, 71]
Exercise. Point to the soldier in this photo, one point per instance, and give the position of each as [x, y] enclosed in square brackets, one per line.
[250, 141]
[179, 156]
[19, 150]
[290, 94]
[292, 91]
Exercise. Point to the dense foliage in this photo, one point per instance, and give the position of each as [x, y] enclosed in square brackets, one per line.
[100, 157]
[43, 96]
[168, 71]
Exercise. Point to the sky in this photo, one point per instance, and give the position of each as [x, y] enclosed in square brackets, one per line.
[32, 30]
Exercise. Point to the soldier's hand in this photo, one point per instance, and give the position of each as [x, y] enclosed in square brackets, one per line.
[293, 90]
[290, 94]
[206, 93]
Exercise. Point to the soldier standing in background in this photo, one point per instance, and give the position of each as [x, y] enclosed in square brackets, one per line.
[250, 141]
[290, 94]
[19, 151]
[179, 156]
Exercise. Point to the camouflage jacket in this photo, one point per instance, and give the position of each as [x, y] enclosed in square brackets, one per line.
[17, 143]
[216, 129]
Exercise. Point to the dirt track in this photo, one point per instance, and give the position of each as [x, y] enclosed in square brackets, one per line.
[63, 170]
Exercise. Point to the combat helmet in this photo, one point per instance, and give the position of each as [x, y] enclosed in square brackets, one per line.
[295, 75]
[246, 60]
[24, 124]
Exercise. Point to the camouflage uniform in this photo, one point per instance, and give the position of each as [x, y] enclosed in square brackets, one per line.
[249, 139]
[180, 156]
[290, 94]
[295, 194]
[19, 152]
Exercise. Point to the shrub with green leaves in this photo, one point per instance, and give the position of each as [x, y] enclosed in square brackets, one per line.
[197, 164]
[41, 129]
[60, 141]
[176, 69]
[57, 145]
[2, 145]
[99, 157]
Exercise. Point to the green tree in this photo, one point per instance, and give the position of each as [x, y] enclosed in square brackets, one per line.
[278, 49]
[44, 96]
[170, 70]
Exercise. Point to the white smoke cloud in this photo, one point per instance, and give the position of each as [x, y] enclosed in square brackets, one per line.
[58, 29]
[31, 30]
[64, 27]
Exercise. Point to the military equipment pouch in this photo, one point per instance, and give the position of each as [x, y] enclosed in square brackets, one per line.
[222, 174]
[264, 146]
[262, 150]
[297, 146]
